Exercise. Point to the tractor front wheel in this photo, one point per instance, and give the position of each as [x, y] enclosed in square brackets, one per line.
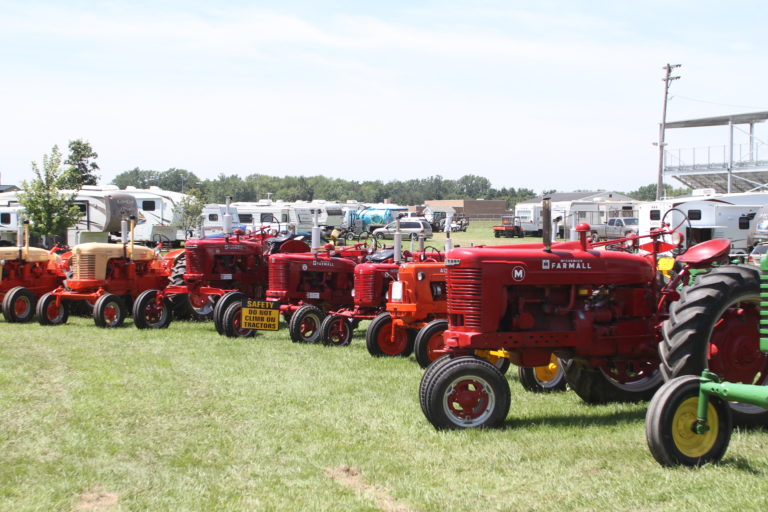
[147, 314]
[379, 341]
[19, 305]
[336, 331]
[48, 313]
[231, 322]
[428, 341]
[543, 379]
[305, 324]
[714, 326]
[670, 425]
[466, 392]
[616, 383]
[222, 305]
[109, 311]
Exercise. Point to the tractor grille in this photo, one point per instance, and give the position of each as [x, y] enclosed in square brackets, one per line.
[194, 262]
[365, 288]
[278, 276]
[465, 297]
[84, 266]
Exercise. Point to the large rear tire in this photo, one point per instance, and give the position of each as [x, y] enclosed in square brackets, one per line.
[670, 422]
[19, 305]
[597, 386]
[428, 340]
[109, 311]
[48, 313]
[147, 314]
[378, 338]
[467, 392]
[305, 324]
[714, 326]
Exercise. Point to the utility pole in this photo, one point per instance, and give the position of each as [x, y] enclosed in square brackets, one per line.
[667, 80]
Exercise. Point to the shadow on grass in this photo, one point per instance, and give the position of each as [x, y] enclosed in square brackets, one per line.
[576, 420]
[741, 464]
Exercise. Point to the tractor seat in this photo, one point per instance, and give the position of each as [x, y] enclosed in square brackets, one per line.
[381, 256]
[704, 254]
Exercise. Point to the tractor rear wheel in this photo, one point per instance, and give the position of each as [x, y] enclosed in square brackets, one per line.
[19, 305]
[305, 324]
[670, 422]
[147, 314]
[467, 392]
[379, 342]
[109, 311]
[615, 383]
[231, 322]
[336, 331]
[714, 326]
[428, 340]
[543, 379]
[48, 313]
[222, 305]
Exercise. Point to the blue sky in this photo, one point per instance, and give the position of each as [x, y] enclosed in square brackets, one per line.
[550, 94]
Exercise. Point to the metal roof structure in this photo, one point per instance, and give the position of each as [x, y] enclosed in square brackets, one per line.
[723, 168]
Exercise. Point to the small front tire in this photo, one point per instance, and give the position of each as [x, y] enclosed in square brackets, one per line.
[48, 313]
[379, 342]
[147, 314]
[336, 331]
[109, 311]
[305, 324]
[670, 422]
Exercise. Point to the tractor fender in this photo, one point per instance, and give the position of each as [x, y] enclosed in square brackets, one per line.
[172, 256]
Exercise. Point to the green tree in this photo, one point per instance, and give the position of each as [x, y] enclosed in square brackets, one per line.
[49, 211]
[177, 180]
[188, 212]
[648, 192]
[136, 178]
[81, 165]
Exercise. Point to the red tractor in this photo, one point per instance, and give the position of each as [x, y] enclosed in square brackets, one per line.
[109, 277]
[600, 311]
[26, 273]
[221, 269]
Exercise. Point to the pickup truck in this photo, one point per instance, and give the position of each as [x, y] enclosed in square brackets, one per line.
[617, 227]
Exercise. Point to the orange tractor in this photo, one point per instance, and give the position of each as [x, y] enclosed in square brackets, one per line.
[26, 273]
[109, 277]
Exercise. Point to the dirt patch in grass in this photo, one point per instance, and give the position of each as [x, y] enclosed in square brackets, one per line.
[96, 499]
[352, 478]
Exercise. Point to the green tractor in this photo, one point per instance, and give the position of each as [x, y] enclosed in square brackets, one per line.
[690, 418]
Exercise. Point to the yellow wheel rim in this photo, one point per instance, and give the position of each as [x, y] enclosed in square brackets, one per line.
[686, 440]
[547, 372]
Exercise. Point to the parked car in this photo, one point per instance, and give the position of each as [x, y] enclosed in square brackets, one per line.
[409, 229]
[757, 254]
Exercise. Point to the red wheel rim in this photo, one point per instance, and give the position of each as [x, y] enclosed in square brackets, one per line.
[21, 307]
[734, 349]
[387, 345]
[308, 327]
[434, 344]
[53, 312]
[237, 323]
[110, 313]
[468, 401]
[152, 313]
[198, 300]
[338, 334]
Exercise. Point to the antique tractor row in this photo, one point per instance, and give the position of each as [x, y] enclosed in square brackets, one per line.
[620, 328]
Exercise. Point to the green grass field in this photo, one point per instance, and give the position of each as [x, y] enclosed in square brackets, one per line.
[184, 419]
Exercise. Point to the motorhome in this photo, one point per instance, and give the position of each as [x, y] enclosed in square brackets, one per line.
[329, 215]
[10, 218]
[157, 218]
[212, 219]
[102, 209]
[705, 215]
[274, 214]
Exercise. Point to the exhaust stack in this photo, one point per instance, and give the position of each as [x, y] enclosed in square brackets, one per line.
[398, 241]
[227, 221]
[546, 218]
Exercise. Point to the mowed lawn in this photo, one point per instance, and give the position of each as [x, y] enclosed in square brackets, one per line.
[184, 419]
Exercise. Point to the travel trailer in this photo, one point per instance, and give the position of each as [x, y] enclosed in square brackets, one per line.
[10, 218]
[705, 215]
[157, 216]
[102, 210]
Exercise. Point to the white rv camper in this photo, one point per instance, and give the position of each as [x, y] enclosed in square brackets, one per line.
[709, 215]
[157, 217]
[212, 221]
[274, 214]
[10, 218]
[102, 209]
[329, 215]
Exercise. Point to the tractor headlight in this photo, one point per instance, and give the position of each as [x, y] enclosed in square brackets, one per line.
[397, 292]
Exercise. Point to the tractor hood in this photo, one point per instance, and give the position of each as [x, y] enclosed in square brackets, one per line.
[32, 254]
